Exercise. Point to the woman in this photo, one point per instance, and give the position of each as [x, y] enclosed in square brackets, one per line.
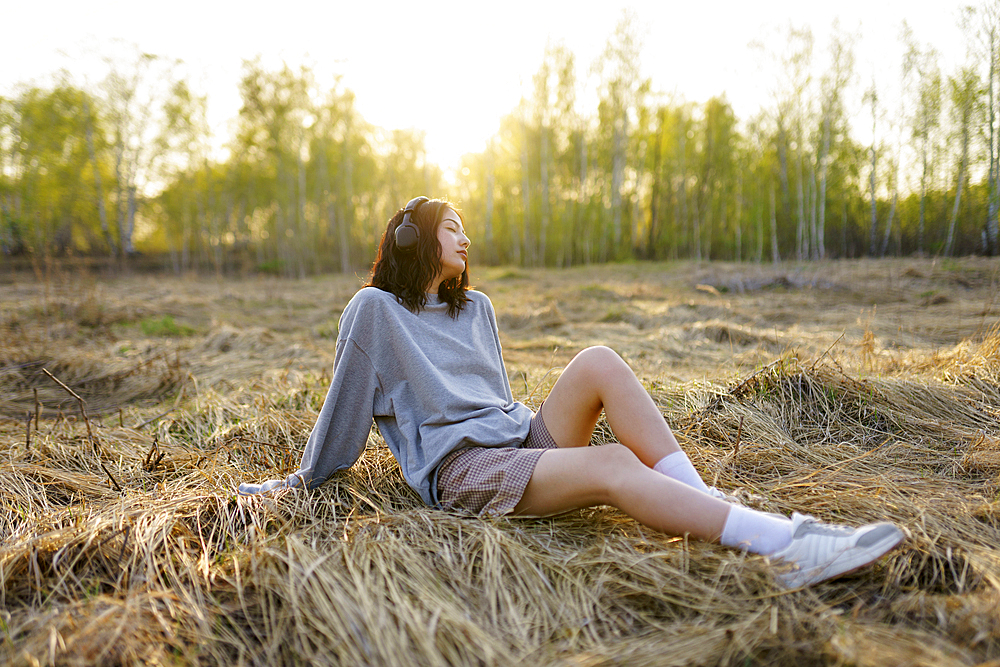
[420, 353]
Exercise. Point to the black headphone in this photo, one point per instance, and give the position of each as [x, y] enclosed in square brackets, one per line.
[407, 233]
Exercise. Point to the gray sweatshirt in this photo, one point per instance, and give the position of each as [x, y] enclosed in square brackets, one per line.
[432, 383]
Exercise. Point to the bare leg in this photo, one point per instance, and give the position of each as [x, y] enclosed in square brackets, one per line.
[598, 379]
[619, 475]
[571, 478]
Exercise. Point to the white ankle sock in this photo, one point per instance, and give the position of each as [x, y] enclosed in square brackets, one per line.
[678, 466]
[759, 532]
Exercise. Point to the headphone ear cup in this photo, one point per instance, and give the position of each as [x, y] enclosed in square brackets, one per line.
[407, 236]
[407, 233]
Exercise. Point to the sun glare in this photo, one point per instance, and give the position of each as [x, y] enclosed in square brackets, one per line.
[454, 69]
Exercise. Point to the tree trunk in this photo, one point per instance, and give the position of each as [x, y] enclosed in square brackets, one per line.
[126, 241]
[843, 231]
[6, 234]
[347, 209]
[584, 201]
[711, 229]
[738, 222]
[786, 197]
[801, 242]
[759, 215]
[874, 212]
[98, 188]
[526, 195]
[121, 197]
[635, 234]
[488, 219]
[696, 226]
[544, 183]
[654, 199]
[186, 239]
[962, 166]
[821, 204]
[617, 182]
[775, 257]
[921, 225]
[888, 224]
[303, 242]
[950, 241]
[813, 204]
[994, 176]
[683, 218]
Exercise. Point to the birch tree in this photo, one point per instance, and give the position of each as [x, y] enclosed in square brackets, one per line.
[925, 118]
[832, 112]
[620, 90]
[134, 92]
[871, 99]
[963, 89]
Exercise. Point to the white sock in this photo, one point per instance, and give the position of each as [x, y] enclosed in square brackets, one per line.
[678, 466]
[759, 532]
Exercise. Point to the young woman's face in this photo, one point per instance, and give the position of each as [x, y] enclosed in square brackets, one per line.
[454, 246]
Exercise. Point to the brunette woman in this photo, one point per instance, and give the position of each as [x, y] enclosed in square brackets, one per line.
[419, 352]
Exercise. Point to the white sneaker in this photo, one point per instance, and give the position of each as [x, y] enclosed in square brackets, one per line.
[821, 551]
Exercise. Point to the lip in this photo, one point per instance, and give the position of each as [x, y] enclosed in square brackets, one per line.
[464, 254]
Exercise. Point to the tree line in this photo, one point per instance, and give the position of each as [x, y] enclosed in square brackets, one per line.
[306, 184]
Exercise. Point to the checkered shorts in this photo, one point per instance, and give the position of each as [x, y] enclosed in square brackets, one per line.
[491, 480]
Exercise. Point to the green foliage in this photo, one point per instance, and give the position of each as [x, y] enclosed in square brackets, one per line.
[308, 184]
[274, 267]
[164, 326]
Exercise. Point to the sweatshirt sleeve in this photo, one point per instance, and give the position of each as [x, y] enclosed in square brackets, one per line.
[341, 431]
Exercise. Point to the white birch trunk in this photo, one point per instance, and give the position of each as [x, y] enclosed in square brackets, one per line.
[821, 204]
[874, 212]
[544, 178]
[888, 224]
[617, 180]
[801, 243]
[98, 188]
[775, 257]
[526, 195]
[488, 220]
[347, 209]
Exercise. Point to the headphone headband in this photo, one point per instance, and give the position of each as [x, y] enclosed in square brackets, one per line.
[407, 233]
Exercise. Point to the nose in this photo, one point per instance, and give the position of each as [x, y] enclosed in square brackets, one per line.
[465, 242]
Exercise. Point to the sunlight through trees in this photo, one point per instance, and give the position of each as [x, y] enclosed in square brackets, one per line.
[305, 184]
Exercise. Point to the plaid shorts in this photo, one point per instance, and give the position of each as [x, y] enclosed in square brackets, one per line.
[491, 480]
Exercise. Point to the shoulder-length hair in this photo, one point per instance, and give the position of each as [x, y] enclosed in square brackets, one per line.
[408, 274]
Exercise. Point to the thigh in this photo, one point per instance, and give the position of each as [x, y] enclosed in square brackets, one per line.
[570, 478]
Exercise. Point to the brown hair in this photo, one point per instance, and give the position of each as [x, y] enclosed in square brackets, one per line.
[408, 274]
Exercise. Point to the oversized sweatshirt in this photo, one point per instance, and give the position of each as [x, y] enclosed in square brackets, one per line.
[432, 383]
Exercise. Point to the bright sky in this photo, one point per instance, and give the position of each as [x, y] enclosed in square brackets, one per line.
[480, 55]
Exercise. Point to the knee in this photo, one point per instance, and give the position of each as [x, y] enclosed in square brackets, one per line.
[600, 359]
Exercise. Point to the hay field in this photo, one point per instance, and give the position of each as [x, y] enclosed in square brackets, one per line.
[853, 391]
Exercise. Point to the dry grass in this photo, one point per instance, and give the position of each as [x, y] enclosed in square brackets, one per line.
[789, 384]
